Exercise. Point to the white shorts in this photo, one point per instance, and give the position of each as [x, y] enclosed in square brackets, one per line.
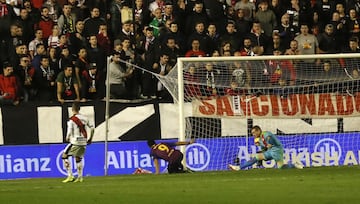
[75, 150]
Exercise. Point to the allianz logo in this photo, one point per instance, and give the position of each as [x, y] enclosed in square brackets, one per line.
[129, 159]
[328, 146]
[197, 157]
[10, 164]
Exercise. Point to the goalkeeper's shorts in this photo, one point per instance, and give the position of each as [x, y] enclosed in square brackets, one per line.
[274, 153]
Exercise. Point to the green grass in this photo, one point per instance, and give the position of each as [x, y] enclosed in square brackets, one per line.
[310, 185]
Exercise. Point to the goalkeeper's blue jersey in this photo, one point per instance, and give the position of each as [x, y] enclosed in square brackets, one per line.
[269, 138]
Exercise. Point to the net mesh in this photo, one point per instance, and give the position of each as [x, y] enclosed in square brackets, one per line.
[303, 100]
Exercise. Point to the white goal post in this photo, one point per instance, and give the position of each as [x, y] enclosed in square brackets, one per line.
[295, 96]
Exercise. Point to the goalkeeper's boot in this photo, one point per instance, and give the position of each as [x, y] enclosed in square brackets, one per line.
[69, 179]
[234, 167]
[298, 165]
[79, 180]
[188, 171]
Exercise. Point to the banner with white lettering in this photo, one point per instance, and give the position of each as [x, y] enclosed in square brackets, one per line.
[326, 105]
[312, 150]
[35, 161]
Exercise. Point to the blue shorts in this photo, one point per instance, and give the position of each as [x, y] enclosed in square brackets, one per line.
[274, 153]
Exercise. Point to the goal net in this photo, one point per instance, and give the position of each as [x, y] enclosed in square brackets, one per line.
[310, 102]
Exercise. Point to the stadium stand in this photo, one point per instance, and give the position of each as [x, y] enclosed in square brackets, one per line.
[142, 29]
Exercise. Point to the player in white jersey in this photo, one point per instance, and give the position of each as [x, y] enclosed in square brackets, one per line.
[77, 136]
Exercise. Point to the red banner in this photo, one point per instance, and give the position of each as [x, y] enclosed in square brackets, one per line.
[325, 105]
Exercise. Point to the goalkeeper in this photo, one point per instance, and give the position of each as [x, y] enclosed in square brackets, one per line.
[271, 149]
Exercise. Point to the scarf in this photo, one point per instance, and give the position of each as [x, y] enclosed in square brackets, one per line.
[210, 79]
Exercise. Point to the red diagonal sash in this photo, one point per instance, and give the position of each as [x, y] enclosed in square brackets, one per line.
[81, 126]
[263, 140]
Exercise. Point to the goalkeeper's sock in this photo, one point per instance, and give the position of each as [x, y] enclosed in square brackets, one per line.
[249, 163]
[288, 166]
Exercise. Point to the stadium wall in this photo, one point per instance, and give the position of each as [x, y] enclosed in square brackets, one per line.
[39, 123]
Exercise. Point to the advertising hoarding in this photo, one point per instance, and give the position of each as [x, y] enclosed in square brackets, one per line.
[35, 161]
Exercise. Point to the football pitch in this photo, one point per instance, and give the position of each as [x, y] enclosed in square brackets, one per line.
[309, 185]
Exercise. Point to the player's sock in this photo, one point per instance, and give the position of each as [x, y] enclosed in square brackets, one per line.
[67, 167]
[249, 163]
[79, 167]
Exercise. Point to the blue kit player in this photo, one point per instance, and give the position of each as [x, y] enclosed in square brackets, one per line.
[271, 149]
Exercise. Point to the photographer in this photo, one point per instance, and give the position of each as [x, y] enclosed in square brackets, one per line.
[118, 76]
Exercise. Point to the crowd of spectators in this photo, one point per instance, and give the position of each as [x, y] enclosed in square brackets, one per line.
[59, 51]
